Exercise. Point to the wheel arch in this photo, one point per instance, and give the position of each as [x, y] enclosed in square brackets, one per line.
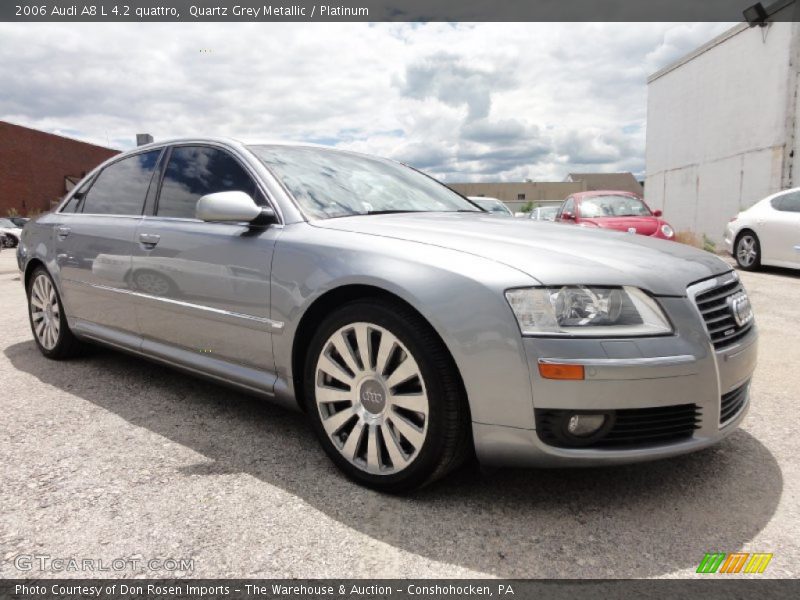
[30, 268]
[330, 301]
[742, 231]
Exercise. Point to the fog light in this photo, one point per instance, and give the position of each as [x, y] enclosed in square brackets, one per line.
[585, 425]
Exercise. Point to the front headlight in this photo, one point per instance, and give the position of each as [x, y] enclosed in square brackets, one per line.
[667, 231]
[578, 310]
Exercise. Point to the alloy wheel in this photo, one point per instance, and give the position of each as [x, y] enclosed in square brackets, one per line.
[746, 251]
[45, 311]
[371, 398]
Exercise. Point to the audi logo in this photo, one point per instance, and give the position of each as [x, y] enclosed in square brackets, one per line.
[739, 305]
[371, 397]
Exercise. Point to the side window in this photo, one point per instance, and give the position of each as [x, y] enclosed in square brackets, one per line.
[74, 204]
[195, 171]
[121, 187]
[787, 202]
[569, 206]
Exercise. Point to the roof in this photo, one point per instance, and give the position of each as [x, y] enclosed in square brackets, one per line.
[608, 181]
[580, 195]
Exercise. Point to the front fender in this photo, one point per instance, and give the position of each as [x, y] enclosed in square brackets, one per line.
[459, 294]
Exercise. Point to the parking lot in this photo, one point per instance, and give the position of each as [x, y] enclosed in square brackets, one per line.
[110, 457]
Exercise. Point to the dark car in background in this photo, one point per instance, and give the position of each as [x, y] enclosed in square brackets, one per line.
[19, 221]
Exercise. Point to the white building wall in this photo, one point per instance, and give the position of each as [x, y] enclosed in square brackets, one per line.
[716, 129]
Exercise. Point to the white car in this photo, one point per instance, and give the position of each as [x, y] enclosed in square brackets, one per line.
[544, 213]
[493, 205]
[11, 233]
[767, 233]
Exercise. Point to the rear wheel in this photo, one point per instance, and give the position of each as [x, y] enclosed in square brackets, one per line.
[48, 322]
[748, 251]
[385, 398]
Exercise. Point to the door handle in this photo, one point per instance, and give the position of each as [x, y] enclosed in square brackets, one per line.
[62, 231]
[149, 240]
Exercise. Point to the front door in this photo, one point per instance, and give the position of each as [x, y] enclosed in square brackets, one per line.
[204, 287]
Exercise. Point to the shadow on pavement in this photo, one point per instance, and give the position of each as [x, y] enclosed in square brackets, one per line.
[634, 521]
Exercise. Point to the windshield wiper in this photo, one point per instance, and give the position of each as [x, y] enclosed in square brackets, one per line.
[400, 211]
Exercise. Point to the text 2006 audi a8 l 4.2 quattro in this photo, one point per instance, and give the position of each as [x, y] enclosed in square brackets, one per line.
[409, 325]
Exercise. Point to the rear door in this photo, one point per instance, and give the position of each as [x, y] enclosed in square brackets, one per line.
[94, 240]
[204, 287]
[781, 224]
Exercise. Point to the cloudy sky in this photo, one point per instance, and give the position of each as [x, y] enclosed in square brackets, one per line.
[464, 102]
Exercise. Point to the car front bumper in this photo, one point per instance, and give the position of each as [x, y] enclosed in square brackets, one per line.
[628, 375]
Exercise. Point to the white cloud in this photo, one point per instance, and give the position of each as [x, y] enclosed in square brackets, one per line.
[462, 101]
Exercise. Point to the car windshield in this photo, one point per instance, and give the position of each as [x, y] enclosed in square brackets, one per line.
[493, 206]
[7, 223]
[329, 183]
[545, 212]
[613, 206]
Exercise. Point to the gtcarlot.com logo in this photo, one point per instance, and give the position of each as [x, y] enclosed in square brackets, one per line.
[45, 562]
[735, 562]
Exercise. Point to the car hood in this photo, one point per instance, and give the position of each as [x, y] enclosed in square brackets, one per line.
[642, 225]
[551, 253]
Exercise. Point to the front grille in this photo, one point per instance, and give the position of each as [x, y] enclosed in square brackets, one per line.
[720, 323]
[732, 403]
[633, 427]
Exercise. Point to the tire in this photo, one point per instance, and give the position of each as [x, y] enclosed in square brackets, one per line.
[48, 321]
[395, 428]
[747, 251]
[10, 241]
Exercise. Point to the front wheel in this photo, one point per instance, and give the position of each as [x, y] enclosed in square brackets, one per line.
[385, 398]
[9, 241]
[748, 251]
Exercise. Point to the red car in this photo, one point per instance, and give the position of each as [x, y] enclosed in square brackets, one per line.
[609, 209]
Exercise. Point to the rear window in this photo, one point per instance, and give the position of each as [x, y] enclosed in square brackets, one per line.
[787, 202]
[121, 187]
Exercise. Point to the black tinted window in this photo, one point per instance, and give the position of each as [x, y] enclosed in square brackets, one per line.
[195, 171]
[788, 202]
[74, 202]
[120, 188]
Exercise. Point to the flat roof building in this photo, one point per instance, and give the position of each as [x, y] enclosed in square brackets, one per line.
[722, 127]
[38, 168]
[518, 194]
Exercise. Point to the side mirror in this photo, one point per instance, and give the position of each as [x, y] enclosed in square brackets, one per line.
[657, 212]
[567, 216]
[233, 207]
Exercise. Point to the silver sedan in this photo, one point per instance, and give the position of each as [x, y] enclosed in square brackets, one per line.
[414, 329]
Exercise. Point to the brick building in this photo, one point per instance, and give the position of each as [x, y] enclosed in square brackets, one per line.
[37, 168]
